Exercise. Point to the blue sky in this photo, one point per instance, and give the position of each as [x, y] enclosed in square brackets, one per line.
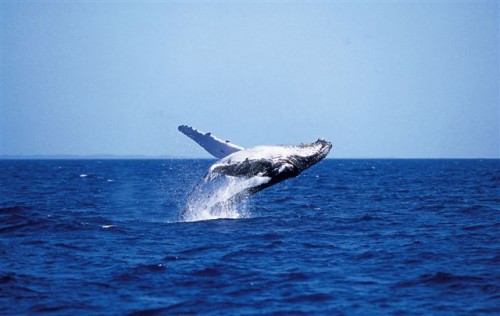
[377, 79]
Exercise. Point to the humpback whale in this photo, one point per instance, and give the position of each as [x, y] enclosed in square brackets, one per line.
[255, 168]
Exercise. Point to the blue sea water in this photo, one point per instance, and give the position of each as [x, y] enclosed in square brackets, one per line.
[354, 237]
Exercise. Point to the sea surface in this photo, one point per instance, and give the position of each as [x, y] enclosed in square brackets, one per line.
[346, 237]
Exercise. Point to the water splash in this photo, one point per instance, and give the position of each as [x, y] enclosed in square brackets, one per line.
[219, 196]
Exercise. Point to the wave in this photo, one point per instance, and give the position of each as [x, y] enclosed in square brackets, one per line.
[450, 280]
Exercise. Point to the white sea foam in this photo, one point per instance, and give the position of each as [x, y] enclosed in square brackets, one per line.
[220, 196]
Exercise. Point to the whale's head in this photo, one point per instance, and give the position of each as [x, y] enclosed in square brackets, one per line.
[302, 157]
[309, 154]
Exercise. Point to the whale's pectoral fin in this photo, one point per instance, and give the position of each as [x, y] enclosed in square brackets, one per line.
[215, 146]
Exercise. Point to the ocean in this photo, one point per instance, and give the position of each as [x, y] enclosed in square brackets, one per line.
[346, 237]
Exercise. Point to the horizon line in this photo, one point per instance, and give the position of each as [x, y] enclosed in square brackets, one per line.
[172, 157]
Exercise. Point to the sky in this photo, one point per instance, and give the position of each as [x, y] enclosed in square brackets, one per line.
[377, 79]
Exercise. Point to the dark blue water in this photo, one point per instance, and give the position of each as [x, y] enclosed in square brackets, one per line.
[361, 237]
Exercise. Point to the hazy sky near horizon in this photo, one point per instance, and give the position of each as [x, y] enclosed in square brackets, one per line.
[378, 79]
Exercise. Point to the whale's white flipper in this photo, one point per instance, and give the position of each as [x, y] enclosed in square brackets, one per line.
[215, 146]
